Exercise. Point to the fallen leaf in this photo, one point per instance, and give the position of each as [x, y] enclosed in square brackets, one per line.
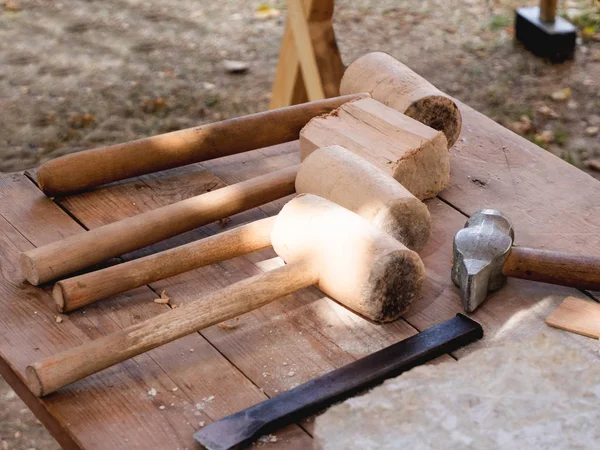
[523, 126]
[562, 94]
[12, 6]
[546, 136]
[588, 32]
[593, 164]
[592, 131]
[163, 299]
[547, 111]
[266, 12]
[152, 105]
[80, 120]
[237, 67]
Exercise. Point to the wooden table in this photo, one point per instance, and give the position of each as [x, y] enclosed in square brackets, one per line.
[210, 374]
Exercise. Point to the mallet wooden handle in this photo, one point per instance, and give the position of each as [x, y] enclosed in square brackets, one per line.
[582, 272]
[82, 290]
[86, 249]
[548, 10]
[52, 373]
[79, 171]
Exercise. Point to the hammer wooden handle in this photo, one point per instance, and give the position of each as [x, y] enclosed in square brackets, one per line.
[82, 290]
[86, 249]
[52, 373]
[84, 170]
[582, 272]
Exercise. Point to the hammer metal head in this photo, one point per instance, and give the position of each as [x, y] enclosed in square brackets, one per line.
[480, 250]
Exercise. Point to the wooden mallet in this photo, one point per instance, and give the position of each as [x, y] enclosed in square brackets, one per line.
[331, 172]
[385, 78]
[322, 243]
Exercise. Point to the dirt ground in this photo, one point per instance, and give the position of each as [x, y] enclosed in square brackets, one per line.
[80, 74]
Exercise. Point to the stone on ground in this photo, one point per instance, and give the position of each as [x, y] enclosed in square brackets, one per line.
[537, 394]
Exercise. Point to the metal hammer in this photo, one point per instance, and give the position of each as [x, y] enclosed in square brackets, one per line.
[484, 256]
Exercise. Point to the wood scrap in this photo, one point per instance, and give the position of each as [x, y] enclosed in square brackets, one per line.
[577, 316]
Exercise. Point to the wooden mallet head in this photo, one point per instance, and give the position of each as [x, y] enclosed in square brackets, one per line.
[395, 85]
[348, 180]
[358, 265]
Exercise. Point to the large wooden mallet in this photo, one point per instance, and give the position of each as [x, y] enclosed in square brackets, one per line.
[322, 243]
[332, 172]
[386, 79]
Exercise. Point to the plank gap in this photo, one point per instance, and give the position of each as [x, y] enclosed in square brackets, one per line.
[17, 230]
[590, 295]
[456, 208]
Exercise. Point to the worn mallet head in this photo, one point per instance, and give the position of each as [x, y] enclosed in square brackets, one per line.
[480, 249]
[350, 181]
[358, 265]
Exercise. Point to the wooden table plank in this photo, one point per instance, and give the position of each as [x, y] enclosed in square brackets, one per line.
[112, 408]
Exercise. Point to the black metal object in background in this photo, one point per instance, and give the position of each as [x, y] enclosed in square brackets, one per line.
[243, 427]
[553, 37]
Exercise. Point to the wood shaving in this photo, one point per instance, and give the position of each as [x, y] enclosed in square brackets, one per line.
[267, 439]
[230, 326]
[163, 299]
[224, 221]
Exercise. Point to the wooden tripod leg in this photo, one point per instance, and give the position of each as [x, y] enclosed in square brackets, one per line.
[52, 373]
[82, 290]
[305, 51]
[288, 86]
